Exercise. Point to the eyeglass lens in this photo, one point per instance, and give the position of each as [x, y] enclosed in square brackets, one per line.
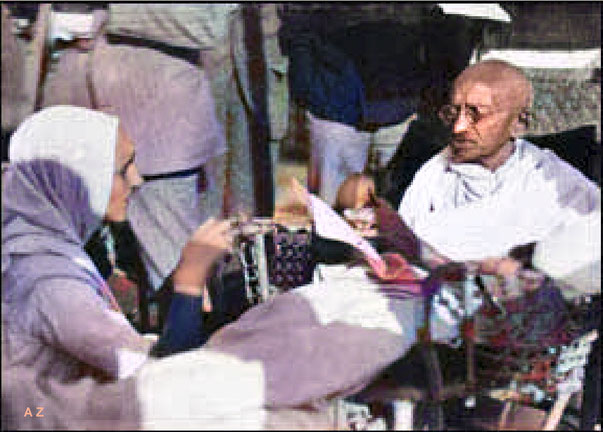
[450, 113]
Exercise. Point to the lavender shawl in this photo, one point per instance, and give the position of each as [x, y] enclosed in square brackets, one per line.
[53, 197]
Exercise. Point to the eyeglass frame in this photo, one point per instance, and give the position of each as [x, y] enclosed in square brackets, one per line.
[472, 111]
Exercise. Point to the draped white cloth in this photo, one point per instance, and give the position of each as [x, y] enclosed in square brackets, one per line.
[573, 254]
[467, 212]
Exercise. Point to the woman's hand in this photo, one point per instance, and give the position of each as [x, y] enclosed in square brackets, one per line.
[209, 242]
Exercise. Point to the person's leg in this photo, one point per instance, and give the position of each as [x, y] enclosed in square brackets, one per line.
[339, 150]
[232, 171]
[355, 154]
[163, 214]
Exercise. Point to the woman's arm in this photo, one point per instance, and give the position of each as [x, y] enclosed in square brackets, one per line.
[69, 316]
[183, 328]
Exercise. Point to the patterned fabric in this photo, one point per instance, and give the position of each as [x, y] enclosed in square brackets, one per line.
[537, 341]
[290, 259]
[530, 339]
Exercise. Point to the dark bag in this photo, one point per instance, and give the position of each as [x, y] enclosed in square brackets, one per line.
[291, 262]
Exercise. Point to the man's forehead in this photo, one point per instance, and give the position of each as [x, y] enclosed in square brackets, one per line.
[473, 93]
[507, 85]
[501, 93]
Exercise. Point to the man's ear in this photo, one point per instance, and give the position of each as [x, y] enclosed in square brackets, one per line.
[521, 124]
[524, 118]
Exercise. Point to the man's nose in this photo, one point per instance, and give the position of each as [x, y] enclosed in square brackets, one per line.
[461, 123]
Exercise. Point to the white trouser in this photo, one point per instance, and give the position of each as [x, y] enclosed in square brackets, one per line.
[338, 150]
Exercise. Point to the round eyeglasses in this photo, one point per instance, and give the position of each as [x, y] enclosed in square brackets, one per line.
[450, 113]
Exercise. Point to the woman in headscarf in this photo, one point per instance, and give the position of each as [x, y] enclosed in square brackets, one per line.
[71, 168]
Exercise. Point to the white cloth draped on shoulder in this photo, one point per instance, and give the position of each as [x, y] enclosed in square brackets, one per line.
[467, 212]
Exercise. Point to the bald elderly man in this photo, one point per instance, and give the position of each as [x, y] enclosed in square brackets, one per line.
[489, 190]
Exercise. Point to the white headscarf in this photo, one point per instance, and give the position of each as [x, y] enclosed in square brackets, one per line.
[65, 134]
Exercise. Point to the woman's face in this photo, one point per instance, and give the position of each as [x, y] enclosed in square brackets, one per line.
[125, 178]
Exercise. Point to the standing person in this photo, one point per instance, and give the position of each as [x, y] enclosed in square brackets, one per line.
[489, 190]
[23, 42]
[222, 34]
[177, 76]
[164, 99]
[357, 72]
[324, 80]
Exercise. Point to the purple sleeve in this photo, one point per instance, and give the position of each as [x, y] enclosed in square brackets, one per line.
[183, 328]
[70, 316]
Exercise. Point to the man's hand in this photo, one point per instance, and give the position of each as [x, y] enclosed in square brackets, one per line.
[513, 279]
[505, 266]
[212, 240]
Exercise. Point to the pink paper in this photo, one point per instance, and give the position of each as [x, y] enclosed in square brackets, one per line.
[330, 225]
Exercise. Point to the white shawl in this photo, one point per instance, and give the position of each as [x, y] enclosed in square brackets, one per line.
[467, 212]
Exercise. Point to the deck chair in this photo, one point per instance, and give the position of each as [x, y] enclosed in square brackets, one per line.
[529, 351]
